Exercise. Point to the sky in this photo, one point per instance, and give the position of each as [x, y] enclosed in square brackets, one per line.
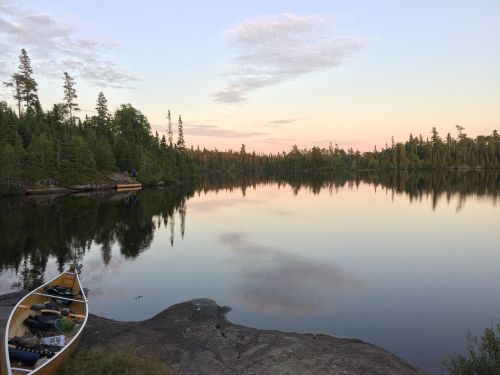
[269, 73]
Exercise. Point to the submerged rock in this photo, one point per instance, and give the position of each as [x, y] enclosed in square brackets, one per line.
[195, 337]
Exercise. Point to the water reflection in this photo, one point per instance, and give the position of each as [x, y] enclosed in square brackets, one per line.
[32, 230]
[414, 184]
[327, 254]
[281, 282]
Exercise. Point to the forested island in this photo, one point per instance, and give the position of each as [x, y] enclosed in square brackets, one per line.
[44, 148]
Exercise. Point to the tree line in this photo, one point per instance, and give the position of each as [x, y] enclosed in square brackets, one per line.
[435, 152]
[55, 147]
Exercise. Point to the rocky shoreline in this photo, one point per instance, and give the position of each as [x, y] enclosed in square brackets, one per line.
[195, 337]
[101, 183]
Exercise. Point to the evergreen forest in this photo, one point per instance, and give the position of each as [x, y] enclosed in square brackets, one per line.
[55, 147]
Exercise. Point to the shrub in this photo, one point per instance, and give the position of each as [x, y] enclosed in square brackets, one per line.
[482, 356]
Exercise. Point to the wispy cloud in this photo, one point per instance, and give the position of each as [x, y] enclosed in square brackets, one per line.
[279, 123]
[214, 131]
[274, 49]
[284, 121]
[54, 47]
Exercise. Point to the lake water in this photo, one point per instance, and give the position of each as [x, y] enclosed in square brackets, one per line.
[406, 262]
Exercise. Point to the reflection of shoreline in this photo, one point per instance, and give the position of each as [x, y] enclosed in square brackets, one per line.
[34, 229]
[414, 184]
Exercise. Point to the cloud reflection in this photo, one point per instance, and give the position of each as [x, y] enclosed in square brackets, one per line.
[216, 204]
[275, 281]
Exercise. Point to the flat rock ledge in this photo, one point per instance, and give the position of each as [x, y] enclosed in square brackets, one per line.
[195, 337]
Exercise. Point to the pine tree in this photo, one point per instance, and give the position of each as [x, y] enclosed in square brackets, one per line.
[181, 145]
[28, 84]
[105, 125]
[170, 132]
[435, 136]
[163, 143]
[102, 112]
[102, 107]
[461, 134]
[243, 156]
[70, 95]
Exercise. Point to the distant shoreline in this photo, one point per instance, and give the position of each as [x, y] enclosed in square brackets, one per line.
[108, 183]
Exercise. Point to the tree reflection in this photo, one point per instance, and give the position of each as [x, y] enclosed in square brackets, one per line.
[33, 230]
[416, 185]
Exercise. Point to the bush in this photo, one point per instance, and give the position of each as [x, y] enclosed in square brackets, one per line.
[113, 361]
[482, 357]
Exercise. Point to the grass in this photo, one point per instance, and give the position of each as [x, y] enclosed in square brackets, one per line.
[113, 361]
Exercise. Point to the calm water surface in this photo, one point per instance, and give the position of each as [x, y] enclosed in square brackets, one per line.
[409, 263]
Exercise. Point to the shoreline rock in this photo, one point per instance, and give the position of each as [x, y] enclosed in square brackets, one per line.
[50, 187]
[195, 337]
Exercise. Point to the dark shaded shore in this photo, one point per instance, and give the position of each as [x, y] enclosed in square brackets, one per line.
[102, 183]
[195, 337]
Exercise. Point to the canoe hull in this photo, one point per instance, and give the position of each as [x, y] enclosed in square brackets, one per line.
[136, 186]
[52, 367]
[21, 311]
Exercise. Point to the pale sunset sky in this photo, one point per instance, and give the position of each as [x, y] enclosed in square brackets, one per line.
[269, 73]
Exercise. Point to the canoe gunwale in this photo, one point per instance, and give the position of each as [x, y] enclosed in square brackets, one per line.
[21, 369]
[9, 368]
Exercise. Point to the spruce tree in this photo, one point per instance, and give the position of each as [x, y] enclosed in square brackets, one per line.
[163, 143]
[170, 132]
[181, 145]
[70, 95]
[103, 123]
[102, 107]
